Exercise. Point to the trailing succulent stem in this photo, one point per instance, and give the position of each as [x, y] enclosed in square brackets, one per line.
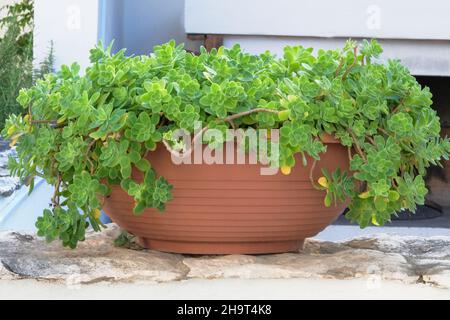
[85, 133]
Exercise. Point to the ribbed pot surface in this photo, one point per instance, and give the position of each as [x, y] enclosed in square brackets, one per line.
[230, 209]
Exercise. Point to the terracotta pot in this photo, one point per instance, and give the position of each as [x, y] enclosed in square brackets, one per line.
[230, 209]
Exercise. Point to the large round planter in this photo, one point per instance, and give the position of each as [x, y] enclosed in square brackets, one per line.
[230, 209]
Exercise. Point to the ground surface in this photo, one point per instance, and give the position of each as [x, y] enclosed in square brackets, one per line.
[343, 230]
[224, 289]
[8, 184]
[382, 266]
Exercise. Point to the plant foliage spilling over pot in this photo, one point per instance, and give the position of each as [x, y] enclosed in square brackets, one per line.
[85, 133]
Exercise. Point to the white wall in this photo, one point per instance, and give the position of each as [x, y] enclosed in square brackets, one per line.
[75, 26]
[71, 24]
[422, 57]
[414, 31]
[6, 2]
[393, 19]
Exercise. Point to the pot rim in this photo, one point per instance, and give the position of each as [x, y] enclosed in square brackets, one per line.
[328, 138]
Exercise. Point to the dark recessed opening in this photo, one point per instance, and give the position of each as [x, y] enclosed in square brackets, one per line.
[440, 87]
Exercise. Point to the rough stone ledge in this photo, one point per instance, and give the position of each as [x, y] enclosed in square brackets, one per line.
[8, 184]
[406, 259]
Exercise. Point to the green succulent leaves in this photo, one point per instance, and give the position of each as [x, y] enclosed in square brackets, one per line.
[401, 124]
[151, 193]
[143, 127]
[220, 99]
[86, 133]
[84, 190]
[69, 225]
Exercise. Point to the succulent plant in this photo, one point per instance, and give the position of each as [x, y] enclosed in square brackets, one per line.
[84, 133]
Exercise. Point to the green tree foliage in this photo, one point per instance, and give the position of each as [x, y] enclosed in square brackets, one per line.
[16, 55]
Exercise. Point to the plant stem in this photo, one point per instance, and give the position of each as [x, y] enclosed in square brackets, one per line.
[30, 113]
[91, 144]
[231, 122]
[55, 199]
[349, 150]
[339, 68]
[311, 178]
[355, 52]
[383, 131]
[44, 122]
[398, 107]
[356, 144]
[229, 119]
[246, 113]
[370, 139]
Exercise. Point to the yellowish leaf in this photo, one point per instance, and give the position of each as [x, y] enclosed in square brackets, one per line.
[375, 221]
[96, 214]
[13, 143]
[284, 115]
[62, 119]
[15, 139]
[365, 195]
[11, 130]
[324, 182]
[286, 170]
